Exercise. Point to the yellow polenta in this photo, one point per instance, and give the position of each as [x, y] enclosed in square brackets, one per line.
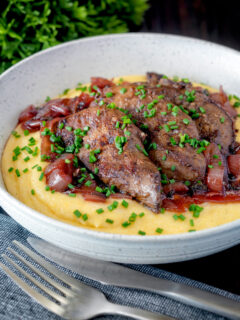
[60, 206]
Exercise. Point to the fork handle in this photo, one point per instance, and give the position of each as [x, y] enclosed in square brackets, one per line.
[111, 308]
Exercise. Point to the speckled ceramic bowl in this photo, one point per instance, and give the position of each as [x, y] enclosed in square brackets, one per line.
[49, 72]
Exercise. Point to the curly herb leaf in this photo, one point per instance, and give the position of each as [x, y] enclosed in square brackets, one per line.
[27, 26]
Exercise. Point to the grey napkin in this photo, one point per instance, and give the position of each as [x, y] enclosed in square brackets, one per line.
[16, 305]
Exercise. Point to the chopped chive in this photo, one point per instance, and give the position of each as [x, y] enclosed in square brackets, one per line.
[41, 176]
[181, 217]
[85, 217]
[88, 183]
[123, 90]
[61, 125]
[125, 224]
[109, 221]
[202, 110]
[77, 213]
[210, 166]
[113, 206]
[117, 124]
[159, 230]
[161, 96]
[141, 233]
[141, 214]
[47, 188]
[162, 210]
[68, 128]
[166, 128]
[109, 94]
[191, 222]
[73, 195]
[98, 189]
[96, 170]
[33, 192]
[124, 203]
[26, 132]
[195, 209]
[87, 146]
[100, 210]
[220, 163]
[25, 170]
[186, 121]
[175, 217]
[222, 120]
[67, 161]
[142, 150]
[10, 169]
[17, 173]
[15, 134]
[173, 168]
[65, 91]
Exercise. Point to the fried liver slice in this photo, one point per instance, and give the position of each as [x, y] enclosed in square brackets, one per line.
[214, 124]
[166, 124]
[129, 169]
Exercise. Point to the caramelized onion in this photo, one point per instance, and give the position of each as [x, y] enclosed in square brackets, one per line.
[101, 82]
[177, 187]
[222, 99]
[27, 114]
[59, 174]
[216, 168]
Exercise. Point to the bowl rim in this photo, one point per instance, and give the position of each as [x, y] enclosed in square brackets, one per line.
[106, 235]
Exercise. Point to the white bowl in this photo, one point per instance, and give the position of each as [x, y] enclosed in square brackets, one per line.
[51, 71]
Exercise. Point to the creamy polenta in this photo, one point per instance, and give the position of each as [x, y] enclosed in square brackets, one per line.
[24, 180]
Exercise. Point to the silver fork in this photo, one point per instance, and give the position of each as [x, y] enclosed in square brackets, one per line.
[77, 301]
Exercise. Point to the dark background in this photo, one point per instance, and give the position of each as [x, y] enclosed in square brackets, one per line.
[216, 21]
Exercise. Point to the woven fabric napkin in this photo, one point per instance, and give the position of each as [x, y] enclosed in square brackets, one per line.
[16, 305]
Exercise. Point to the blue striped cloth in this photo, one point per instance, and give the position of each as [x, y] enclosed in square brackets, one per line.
[16, 305]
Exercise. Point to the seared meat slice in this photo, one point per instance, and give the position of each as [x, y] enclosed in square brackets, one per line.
[115, 155]
[212, 118]
[169, 129]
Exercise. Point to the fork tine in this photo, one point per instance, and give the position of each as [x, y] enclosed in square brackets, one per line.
[54, 283]
[51, 293]
[46, 303]
[50, 268]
